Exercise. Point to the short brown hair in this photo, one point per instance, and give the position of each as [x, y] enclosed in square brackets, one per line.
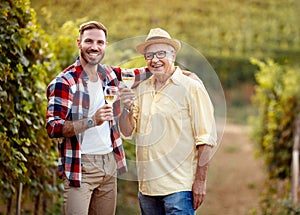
[92, 25]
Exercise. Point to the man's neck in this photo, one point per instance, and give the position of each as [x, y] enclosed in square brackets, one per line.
[91, 70]
[161, 79]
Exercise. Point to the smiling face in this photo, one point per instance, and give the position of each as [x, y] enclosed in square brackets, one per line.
[92, 44]
[159, 65]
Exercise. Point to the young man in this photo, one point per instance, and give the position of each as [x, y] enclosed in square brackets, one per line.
[175, 129]
[79, 117]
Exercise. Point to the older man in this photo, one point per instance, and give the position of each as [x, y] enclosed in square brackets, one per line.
[173, 119]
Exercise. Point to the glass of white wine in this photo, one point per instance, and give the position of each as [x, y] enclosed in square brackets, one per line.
[128, 77]
[111, 94]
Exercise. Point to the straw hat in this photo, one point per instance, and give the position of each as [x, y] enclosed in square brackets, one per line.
[158, 35]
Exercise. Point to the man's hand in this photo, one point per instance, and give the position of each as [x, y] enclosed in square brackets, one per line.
[191, 75]
[127, 96]
[199, 193]
[199, 186]
[104, 113]
[71, 128]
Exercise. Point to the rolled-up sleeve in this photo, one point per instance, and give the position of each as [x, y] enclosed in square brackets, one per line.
[202, 117]
[59, 98]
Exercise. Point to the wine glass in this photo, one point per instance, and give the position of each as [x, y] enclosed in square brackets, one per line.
[111, 94]
[128, 77]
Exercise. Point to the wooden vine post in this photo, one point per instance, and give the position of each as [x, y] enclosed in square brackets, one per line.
[295, 163]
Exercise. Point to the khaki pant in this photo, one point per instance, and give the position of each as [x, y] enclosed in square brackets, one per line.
[97, 194]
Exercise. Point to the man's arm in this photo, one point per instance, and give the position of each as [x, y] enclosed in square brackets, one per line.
[144, 73]
[126, 120]
[204, 127]
[71, 128]
[199, 185]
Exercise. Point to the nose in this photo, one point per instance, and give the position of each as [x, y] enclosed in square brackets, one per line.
[95, 46]
[155, 59]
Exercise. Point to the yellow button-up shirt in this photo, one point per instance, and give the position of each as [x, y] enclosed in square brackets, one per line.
[170, 124]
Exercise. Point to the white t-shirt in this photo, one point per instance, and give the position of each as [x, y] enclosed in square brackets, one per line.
[97, 139]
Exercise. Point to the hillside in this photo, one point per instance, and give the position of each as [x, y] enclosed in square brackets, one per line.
[216, 28]
[228, 33]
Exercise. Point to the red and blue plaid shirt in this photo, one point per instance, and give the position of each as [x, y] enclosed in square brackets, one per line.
[68, 99]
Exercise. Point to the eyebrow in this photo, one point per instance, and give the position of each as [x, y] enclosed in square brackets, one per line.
[90, 39]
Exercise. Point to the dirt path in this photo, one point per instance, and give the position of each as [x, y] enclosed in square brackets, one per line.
[235, 177]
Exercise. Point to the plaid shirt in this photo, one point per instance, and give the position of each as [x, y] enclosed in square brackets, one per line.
[68, 99]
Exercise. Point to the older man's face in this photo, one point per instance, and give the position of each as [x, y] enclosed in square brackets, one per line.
[163, 58]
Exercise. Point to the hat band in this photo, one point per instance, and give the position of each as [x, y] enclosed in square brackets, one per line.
[157, 37]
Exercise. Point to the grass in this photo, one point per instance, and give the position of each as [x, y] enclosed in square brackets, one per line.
[127, 203]
[240, 114]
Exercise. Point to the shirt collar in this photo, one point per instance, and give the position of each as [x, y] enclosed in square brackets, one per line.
[176, 76]
[81, 72]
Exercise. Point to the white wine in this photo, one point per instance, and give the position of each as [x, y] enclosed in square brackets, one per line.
[110, 94]
[110, 99]
[129, 81]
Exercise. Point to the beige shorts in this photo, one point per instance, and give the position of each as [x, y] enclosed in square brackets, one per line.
[98, 191]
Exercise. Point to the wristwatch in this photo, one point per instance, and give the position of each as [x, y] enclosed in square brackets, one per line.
[90, 122]
[127, 111]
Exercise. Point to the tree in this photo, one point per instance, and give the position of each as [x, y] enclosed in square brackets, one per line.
[278, 101]
[26, 59]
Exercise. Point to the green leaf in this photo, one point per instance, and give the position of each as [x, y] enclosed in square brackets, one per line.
[25, 150]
